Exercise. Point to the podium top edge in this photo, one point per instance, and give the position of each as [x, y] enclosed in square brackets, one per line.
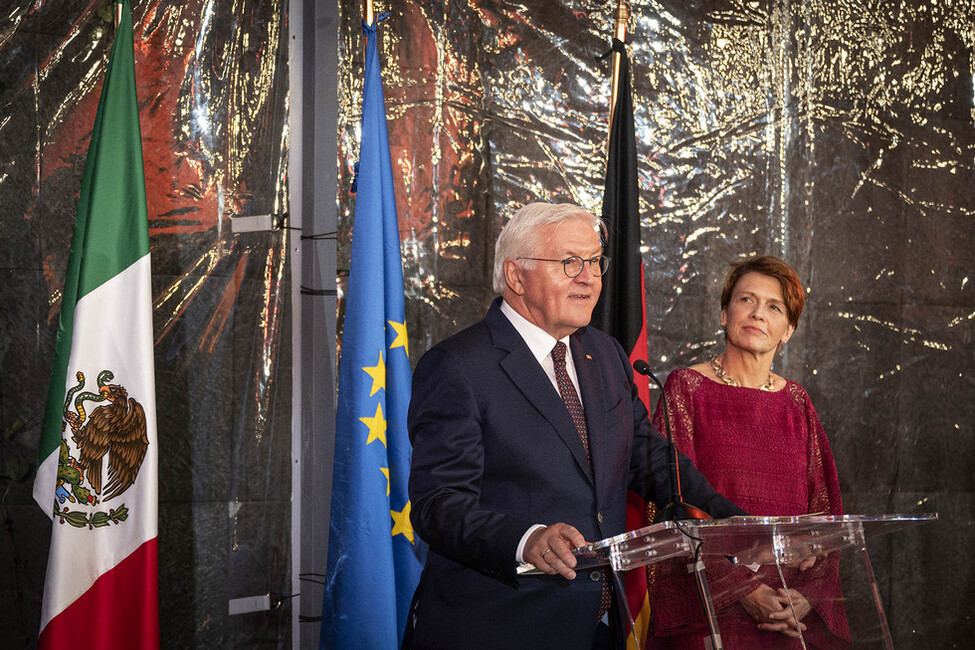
[671, 533]
[677, 527]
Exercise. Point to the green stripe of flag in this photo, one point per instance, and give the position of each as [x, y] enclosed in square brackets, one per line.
[111, 228]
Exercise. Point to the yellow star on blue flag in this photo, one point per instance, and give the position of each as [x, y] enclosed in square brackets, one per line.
[377, 426]
[401, 340]
[378, 374]
[401, 522]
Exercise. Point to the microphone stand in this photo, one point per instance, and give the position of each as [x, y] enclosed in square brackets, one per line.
[677, 509]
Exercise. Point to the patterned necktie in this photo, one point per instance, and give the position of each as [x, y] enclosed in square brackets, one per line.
[569, 396]
[571, 399]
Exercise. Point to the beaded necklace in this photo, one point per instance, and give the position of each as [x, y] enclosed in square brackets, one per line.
[723, 375]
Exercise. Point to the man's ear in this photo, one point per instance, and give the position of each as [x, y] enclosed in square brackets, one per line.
[724, 318]
[513, 277]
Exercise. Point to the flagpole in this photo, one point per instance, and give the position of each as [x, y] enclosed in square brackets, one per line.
[368, 12]
[621, 15]
[118, 14]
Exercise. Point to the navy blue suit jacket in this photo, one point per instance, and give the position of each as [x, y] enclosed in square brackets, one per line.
[494, 452]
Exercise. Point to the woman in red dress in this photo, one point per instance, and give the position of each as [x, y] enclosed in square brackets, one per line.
[758, 440]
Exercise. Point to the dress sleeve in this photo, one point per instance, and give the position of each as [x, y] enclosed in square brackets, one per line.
[823, 483]
[821, 583]
[679, 391]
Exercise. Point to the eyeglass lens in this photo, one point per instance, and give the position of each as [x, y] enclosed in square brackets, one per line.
[573, 265]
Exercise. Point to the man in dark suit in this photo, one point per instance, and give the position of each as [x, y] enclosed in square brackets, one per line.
[527, 431]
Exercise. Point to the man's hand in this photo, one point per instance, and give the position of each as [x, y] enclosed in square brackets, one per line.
[550, 549]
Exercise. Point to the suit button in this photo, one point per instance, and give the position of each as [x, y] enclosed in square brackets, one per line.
[596, 576]
[599, 517]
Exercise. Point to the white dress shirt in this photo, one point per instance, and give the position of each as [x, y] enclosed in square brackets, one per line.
[541, 344]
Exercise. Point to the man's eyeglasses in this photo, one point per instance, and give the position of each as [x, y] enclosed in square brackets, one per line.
[573, 265]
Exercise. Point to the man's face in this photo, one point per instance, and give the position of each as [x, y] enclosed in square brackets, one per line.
[545, 295]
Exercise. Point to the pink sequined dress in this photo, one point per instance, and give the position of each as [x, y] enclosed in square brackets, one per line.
[767, 452]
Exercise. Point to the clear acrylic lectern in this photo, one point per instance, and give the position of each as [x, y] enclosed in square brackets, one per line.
[753, 542]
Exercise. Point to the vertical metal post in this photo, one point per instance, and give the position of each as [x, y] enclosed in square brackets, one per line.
[701, 579]
[622, 14]
[296, 210]
[861, 544]
[780, 545]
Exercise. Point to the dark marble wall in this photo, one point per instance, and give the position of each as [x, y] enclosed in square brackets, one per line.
[212, 87]
[838, 135]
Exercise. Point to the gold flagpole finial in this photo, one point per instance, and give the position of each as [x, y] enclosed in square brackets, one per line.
[621, 15]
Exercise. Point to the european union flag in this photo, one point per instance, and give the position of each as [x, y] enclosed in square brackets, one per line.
[373, 557]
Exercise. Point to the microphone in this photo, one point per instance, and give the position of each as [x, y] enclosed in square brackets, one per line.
[676, 509]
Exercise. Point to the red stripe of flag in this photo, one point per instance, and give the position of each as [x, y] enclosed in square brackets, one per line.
[119, 611]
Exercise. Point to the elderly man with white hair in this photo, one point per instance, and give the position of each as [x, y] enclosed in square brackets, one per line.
[527, 431]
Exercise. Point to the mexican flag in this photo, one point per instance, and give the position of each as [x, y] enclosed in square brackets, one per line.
[96, 475]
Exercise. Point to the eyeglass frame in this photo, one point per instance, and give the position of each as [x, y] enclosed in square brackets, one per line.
[583, 260]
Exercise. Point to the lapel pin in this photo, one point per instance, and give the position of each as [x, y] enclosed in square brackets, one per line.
[589, 357]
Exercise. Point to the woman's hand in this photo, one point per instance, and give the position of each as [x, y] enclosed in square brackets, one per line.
[770, 608]
[761, 603]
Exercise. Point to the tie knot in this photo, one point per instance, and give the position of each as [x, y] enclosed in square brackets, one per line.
[558, 354]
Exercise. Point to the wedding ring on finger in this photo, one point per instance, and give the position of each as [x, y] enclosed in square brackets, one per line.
[548, 550]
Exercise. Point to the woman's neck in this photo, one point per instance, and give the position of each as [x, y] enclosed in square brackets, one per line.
[748, 369]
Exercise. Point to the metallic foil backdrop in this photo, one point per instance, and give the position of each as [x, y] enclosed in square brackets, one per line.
[836, 134]
[213, 88]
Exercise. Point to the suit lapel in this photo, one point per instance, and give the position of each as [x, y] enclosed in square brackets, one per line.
[525, 373]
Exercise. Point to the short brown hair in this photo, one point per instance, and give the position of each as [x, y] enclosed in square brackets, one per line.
[792, 292]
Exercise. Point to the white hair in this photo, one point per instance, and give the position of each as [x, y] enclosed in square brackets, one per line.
[520, 237]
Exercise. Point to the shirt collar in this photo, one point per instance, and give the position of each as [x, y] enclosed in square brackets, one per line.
[538, 340]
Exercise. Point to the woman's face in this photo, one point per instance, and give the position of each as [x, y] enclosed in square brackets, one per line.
[756, 319]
